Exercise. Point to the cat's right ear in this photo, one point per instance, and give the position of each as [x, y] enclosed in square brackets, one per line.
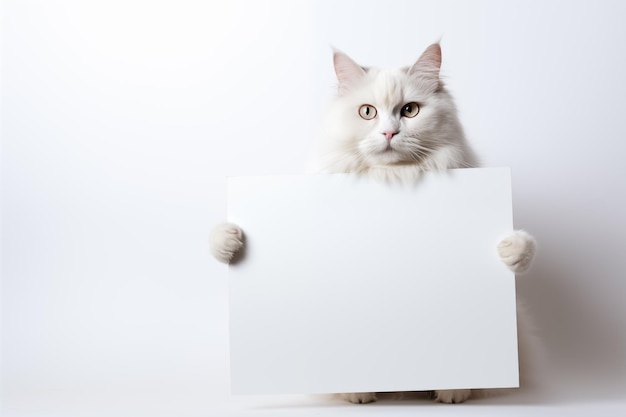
[427, 67]
[348, 72]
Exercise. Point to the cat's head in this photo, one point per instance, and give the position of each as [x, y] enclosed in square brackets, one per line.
[393, 120]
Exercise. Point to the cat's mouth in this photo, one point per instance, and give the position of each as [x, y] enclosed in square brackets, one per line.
[385, 152]
[392, 148]
[389, 147]
[388, 154]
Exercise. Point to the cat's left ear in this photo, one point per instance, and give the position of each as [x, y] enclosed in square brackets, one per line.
[348, 72]
[427, 67]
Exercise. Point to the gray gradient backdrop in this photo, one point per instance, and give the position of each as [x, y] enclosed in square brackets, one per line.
[121, 120]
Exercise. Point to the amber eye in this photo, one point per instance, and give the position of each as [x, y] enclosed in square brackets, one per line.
[410, 109]
[367, 112]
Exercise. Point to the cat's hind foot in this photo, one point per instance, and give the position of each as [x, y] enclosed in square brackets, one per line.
[359, 397]
[452, 396]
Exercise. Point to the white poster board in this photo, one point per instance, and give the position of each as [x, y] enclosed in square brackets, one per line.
[352, 285]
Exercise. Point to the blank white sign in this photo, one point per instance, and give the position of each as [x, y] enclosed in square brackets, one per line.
[352, 285]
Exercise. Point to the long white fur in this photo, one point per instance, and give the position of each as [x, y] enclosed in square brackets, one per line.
[352, 144]
[431, 141]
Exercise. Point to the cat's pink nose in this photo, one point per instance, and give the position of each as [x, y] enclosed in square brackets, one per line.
[389, 134]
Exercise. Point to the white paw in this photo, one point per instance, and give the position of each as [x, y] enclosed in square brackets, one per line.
[517, 250]
[360, 397]
[226, 241]
[452, 396]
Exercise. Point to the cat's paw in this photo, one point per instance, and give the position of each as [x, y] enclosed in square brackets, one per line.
[226, 241]
[452, 396]
[517, 251]
[360, 397]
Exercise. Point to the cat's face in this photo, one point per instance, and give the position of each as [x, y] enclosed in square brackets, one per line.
[393, 117]
[388, 115]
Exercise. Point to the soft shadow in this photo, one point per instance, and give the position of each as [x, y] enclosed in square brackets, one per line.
[581, 333]
[241, 253]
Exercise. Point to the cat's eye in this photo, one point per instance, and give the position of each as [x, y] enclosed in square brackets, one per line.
[410, 109]
[367, 111]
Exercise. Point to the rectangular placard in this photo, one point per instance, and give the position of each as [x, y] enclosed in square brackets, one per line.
[348, 284]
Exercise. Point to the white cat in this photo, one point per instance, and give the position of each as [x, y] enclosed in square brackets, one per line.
[392, 124]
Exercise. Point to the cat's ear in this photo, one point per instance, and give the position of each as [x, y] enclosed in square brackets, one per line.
[427, 67]
[348, 72]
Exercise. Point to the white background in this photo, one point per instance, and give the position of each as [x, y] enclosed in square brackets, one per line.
[121, 120]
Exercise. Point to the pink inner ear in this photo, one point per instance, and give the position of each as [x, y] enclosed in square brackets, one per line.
[429, 63]
[346, 69]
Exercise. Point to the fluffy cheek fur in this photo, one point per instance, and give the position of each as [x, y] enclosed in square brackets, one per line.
[433, 140]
